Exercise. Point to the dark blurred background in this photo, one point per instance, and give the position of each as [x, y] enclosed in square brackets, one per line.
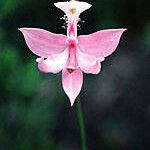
[34, 111]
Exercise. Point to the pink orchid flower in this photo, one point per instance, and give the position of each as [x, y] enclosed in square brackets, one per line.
[72, 54]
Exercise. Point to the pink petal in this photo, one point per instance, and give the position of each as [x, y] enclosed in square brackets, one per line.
[72, 83]
[88, 63]
[54, 63]
[42, 42]
[101, 43]
[93, 69]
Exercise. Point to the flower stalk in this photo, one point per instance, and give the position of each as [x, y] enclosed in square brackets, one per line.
[81, 125]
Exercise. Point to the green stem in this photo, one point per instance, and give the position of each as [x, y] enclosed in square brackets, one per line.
[81, 124]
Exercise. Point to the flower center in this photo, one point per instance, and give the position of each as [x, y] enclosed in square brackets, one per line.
[70, 69]
[72, 11]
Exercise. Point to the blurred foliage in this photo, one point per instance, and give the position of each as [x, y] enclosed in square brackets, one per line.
[34, 111]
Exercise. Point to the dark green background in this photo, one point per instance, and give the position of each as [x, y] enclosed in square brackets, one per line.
[35, 114]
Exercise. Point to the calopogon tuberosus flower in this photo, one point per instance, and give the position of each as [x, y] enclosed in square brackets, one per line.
[71, 54]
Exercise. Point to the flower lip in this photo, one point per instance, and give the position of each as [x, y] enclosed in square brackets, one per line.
[73, 8]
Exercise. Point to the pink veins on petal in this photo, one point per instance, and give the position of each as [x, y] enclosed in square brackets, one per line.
[71, 54]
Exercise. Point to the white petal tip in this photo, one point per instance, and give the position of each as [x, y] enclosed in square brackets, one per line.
[123, 29]
[72, 100]
[89, 6]
[72, 104]
[20, 29]
[38, 59]
[55, 4]
[59, 4]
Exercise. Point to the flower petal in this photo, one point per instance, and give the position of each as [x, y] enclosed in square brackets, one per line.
[72, 83]
[42, 42]
[93, 69]
[101, 43]
[76, 6]
[54, 63]
[88, 63]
